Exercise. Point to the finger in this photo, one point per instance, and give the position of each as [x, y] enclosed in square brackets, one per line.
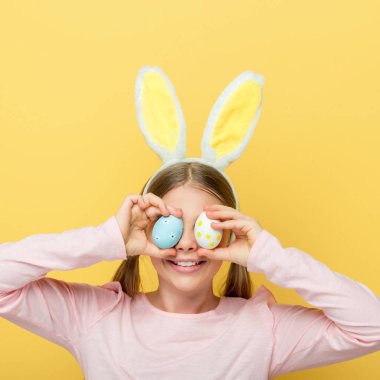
[155, 201]
[162, 253]
[141, 203]
[225, 214]
[218, 207]
[130, 200]
[239, 226]
[178, 212]
[216, 253]
[151, 199]
[153, 213]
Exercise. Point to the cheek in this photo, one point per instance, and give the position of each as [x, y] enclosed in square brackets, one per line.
[214, 266]
[156, 262]
[159, 265]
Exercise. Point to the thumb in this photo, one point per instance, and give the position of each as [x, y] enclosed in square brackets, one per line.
[162, 253]
[213, 254]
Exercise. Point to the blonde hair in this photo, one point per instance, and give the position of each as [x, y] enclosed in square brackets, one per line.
[238, 282]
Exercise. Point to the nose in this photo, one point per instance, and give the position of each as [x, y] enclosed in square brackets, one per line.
[187, 243]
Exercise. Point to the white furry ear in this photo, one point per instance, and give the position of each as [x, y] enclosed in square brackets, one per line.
[159, 114]
[232, 120]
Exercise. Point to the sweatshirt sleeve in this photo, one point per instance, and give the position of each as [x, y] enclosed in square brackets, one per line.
[344, 324]
[56, 310]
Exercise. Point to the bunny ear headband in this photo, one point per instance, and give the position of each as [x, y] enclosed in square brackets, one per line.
[229, 127]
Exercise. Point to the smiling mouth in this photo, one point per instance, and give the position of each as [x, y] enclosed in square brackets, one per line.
[186, 269]
[185, 266]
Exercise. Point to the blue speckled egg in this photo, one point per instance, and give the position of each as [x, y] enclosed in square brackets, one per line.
[167, 231]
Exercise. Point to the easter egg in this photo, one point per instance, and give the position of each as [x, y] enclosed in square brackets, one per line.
[206, 236]
[167, 231]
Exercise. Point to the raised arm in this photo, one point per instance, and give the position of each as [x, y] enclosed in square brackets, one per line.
[346, 327]
[55, 309]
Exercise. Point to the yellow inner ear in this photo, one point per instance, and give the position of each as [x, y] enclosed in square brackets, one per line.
[236, 117]
[159, 111]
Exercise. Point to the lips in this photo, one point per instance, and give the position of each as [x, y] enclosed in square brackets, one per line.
[185, 269]
[185, 261]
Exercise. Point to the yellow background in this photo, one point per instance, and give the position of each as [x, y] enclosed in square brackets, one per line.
[71, 149]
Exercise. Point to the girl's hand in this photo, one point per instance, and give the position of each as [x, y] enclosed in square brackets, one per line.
[136, 212]
[246, 230]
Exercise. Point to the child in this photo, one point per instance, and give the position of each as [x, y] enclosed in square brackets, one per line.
[182, 330]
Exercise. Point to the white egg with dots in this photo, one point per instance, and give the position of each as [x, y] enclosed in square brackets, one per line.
[206, 236]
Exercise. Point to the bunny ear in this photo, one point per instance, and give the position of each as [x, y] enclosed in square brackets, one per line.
[159, 114]
[232, 120]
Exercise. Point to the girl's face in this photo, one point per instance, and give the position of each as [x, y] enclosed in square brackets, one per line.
[191, 200]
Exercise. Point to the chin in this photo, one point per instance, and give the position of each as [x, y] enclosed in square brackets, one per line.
[189, 289]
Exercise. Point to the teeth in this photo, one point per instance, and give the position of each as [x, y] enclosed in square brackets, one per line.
[187, 263]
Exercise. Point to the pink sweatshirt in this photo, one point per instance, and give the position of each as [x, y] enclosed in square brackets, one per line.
[115, 337]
